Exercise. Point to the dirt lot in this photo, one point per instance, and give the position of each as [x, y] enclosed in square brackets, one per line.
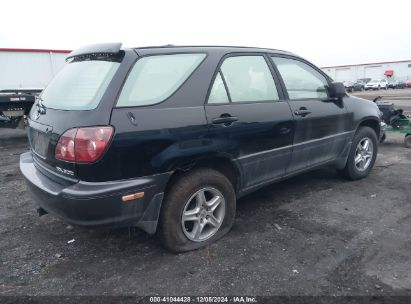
[315, 234]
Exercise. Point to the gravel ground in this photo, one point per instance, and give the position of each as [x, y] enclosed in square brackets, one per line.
[315, 234]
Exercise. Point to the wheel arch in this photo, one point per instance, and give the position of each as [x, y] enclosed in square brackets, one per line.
[371, 122]
[222, 164]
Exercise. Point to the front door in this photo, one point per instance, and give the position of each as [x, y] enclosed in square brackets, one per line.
[321, 129]
[248, 118]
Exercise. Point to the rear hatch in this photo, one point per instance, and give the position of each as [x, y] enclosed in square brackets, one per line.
[74, 98]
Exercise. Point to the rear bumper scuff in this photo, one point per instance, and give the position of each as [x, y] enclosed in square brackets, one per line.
[97, 203]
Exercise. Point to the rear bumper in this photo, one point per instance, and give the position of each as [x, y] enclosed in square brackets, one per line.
[96, 204]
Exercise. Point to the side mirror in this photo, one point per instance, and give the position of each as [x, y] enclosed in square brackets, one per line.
[337, 90]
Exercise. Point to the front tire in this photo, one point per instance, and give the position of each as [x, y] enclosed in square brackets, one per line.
[362, 155]
[198, 209]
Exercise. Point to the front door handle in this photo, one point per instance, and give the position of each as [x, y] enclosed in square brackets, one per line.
[226, 120]
[302, 112]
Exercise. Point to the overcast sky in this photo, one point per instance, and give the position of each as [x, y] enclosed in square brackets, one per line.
[324, 32]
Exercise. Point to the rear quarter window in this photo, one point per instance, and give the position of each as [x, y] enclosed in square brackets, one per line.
[155, 78]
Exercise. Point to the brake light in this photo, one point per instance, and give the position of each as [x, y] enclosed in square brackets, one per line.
[65, 146]
[83, 145]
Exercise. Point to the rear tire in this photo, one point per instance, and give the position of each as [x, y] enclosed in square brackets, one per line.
[358, 165]
[184, 197]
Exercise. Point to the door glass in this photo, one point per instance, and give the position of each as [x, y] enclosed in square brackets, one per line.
[248, 79]
[218, 93]
[301, 80]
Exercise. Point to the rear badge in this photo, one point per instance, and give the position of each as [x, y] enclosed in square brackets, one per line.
[64, 171]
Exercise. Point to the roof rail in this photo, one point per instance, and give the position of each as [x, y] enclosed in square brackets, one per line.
[208, 46]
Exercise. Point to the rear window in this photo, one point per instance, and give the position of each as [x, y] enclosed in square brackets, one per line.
[79, 85]
[153, 79]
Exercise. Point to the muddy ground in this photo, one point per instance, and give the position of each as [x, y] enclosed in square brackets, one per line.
[316, 234]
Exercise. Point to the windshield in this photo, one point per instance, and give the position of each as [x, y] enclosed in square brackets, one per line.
[374, 81]
[79, 85]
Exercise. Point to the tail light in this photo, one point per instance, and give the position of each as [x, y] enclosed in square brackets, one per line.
[65, 146]
[83, 145]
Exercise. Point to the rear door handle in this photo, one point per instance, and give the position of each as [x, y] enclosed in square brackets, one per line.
[224, 120]
[302, 112]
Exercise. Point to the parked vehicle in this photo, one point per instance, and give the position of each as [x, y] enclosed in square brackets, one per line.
[408, 83]
[168, 138]
[348, 86]
[14, 105]
[377, 84]
[400, 84]
[365, 80]
[396, 84]
[359, 85]
[393, 84]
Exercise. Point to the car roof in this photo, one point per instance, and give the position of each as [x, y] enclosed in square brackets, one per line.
[115, 47]
[205, 48]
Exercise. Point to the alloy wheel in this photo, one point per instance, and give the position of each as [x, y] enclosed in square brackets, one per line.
[364, 154]
[203, 214]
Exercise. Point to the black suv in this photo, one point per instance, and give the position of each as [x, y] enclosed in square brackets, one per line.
[167, 138]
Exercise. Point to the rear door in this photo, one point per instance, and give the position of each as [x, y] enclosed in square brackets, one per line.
[249, 119]
[321, 129]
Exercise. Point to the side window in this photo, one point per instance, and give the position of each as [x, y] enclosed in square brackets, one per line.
[218, 92]
[301, 80]
[154, 78]
[248, 79]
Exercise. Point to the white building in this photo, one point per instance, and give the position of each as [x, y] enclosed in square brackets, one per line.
[29, 68]
[399, 70]
[34, 68]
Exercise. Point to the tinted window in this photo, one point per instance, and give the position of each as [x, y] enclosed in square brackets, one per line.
[248, 78]
[301, 80]
[79, 85]
[153, 79]
[218, 92]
